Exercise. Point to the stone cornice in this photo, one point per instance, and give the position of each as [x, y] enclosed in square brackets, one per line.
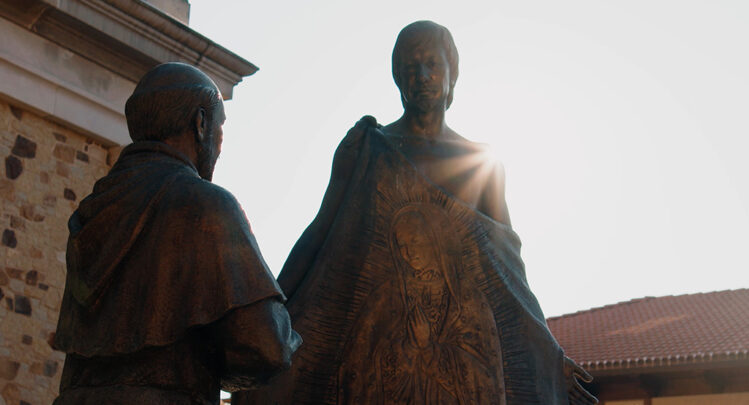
[62, 86]
[127, 37]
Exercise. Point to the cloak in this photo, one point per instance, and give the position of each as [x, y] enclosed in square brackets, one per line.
[351, 298]
[153, 251]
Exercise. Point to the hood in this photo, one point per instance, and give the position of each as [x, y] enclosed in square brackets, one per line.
[109, 221]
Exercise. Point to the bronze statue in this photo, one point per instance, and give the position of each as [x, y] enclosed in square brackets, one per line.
[408, 286]
[167, 298]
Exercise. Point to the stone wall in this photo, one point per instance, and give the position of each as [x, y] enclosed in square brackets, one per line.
[46, 170]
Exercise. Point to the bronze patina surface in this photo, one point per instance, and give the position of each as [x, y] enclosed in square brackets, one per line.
[408, 287]
[167, 297]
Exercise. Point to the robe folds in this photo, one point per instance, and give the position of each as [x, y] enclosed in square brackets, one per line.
[154, 254]
[357, 301]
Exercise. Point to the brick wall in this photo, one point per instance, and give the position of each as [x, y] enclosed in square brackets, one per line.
[46, 170]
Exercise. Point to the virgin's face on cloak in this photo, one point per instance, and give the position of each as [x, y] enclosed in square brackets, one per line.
[414, 243]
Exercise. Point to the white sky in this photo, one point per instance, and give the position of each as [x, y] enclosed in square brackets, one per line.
[623, 127]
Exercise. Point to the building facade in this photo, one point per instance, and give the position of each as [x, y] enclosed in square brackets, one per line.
[676, 350]
[66, 69]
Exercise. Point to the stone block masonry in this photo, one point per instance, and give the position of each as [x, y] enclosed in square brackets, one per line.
[46, 170]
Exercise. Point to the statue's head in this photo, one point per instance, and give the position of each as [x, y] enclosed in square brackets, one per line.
[178, 100]
[425, 66]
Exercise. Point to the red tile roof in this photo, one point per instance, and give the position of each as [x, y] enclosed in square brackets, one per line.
[662, 331]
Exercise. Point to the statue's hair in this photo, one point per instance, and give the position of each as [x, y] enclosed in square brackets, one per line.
[166, 100]
[441, 35]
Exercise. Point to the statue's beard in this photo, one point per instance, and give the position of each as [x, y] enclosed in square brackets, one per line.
[206, 158]
[424, 104]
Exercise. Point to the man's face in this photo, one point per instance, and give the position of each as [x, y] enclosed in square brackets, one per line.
[210, 148]
[424, 74]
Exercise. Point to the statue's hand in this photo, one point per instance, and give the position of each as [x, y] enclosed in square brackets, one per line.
[418, 327]
[354, 135]
[577, 394]
[368, 121]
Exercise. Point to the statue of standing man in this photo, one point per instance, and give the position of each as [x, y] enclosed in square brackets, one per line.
[408, 286]
[167, 298]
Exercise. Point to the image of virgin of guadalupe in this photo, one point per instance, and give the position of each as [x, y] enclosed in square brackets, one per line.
[419, 339]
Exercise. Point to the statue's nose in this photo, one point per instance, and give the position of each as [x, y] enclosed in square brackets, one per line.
[424, 73]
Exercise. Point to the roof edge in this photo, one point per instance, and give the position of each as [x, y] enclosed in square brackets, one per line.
[127, 37]
[648, 363]
[636, 300]
[179, 31]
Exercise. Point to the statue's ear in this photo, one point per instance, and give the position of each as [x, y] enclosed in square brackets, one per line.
[200, 125]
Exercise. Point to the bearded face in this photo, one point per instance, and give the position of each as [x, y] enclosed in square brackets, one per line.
[424, 75]
[210, 148]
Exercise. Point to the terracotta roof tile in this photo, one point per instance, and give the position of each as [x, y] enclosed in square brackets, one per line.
[660, 331]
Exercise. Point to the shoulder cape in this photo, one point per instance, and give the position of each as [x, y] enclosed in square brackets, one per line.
[152, 252]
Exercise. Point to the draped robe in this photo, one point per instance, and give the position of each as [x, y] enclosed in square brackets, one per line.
[349, 301]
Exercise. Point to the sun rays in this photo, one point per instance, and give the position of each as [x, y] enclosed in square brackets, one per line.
[469, 173]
